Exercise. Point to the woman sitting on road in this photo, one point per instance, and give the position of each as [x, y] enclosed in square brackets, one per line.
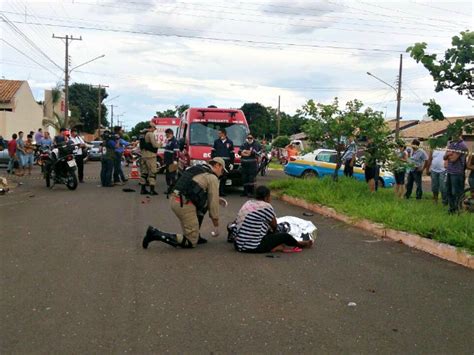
[256, 228]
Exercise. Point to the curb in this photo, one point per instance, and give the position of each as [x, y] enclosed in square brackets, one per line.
[441, 250]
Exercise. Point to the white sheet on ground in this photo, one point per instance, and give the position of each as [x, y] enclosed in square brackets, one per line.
[299, 226]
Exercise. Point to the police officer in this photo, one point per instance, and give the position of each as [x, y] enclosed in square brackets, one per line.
[249, 152]
[170, 158]
[148, 147]
[195, 193]
[224, 148]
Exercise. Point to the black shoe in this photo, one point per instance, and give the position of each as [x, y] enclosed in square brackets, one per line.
[143, 190]
[148, 237]
[152, 191]
[202, 240]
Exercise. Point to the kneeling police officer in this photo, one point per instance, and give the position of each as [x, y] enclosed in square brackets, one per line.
[195, 193]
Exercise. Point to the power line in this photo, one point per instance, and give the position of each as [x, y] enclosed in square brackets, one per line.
[255, 21]
[27, 39]
[441, 8]
[29, 57]
[228, 40]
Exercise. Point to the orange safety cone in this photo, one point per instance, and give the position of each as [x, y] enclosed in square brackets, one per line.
[134, 174]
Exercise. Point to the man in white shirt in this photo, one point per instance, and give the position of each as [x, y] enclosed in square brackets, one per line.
[437, 171]
[78, 153]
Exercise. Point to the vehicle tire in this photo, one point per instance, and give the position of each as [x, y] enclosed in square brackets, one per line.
[71, 180]
[264, 170]
[309, 174]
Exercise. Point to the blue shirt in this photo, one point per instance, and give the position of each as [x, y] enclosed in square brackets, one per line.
[171, 149]
[223, 149]
[418, 158]
[458, 166]
[350, 151]
[46, 142]
[122, 144]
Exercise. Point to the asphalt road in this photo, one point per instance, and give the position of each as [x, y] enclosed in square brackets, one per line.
[74, 279]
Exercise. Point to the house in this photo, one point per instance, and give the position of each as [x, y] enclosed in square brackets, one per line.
[19, 110]
[404, 124]
[427, 129]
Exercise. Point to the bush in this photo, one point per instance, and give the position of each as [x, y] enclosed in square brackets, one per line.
[352, 197]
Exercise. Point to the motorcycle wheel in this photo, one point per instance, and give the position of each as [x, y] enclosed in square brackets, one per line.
[47, 177]
[263, 172]
[71, 180]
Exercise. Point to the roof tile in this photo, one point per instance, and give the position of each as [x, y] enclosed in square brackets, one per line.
[8, 89]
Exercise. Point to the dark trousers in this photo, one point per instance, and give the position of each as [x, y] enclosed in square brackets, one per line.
[118, 172]
[454, 189]
[170, 177]
[80, 166]
[271, 241]
[249, 173]
[348, 168]
[414, 177]
[106, 171]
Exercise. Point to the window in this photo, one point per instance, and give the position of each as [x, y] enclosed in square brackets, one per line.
[205, 133]
[327, 157]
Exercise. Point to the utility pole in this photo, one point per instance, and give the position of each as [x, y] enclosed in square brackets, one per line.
[99, 107]
[278, 117]
[399, 98]
[67, 38]
[112, 116]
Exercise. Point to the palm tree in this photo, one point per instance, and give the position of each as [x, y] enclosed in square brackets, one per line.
[57, 122]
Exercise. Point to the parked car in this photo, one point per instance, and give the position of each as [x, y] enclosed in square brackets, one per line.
[4, 157]
[322, 162]
[95, 151]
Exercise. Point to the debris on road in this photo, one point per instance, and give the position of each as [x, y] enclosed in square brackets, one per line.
[352, 304]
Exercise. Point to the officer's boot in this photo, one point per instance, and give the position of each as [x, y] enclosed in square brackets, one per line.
[152, 191]
[143, 190]
[155, 234]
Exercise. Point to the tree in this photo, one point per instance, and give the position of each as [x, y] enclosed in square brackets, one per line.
[135, 131]
[259, 119]
[83, 101]
[330, 126]
[281, 142]
[56, 121]
[176, 112]
[454, 71]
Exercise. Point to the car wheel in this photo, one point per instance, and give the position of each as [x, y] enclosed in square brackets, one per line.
[309, 174]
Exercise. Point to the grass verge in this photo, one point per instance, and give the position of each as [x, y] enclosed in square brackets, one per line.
[275, 166]
[352, 198]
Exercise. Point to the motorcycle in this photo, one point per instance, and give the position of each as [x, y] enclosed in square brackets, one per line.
[265, 160]
[60, 167]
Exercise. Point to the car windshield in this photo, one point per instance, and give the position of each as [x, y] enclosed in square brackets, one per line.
[326, 157]
[205, 133]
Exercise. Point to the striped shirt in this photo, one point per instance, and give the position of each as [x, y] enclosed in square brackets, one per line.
[253, 223]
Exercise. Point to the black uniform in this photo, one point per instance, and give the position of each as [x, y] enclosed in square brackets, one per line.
[249, 166]
[225, 150]
[170, 156]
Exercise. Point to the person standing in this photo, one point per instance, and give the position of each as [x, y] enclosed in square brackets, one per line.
[223, 148]
[79, 147]
[370, 165]
[456, 158]
[196, 192]
[436, 169]
[12, 154]
[249, 152]
[470, 166]
[170, 159]
[148, 147]
[46, 141]
[400, 169]
[119, 177]
[349, 157]
[107, 161]
[28, 156]
[20, 152]
[39, 136]
[418, 160]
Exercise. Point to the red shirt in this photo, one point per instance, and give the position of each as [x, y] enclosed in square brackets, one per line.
[12, 147]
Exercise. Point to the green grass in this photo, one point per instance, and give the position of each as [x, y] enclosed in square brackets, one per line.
[275, 166]
[353, 198]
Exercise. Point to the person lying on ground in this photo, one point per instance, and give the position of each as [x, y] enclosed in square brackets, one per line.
[256, 227]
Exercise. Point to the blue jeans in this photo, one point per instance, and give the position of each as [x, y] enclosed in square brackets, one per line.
[438, 184]
[455, 188]
[118, 172]
[106, 171]
[11, 164]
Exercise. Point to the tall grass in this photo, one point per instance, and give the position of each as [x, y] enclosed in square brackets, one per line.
[353, 198]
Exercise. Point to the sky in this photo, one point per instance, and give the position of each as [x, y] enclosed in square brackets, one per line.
[162, 53]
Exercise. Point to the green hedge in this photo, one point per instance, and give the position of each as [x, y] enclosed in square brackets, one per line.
[352, 198]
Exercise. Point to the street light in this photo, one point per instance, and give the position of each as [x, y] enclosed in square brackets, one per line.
[91, 60]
